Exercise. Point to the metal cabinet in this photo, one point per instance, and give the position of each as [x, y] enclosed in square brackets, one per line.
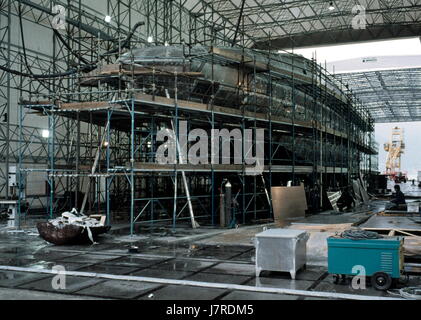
[281, 250]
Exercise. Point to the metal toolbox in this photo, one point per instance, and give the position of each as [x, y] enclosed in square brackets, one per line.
[281, 250]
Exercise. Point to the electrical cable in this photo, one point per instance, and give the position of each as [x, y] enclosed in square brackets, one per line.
[24, 48]
[79, 56]
[410, 293]
[126, 42]
[89, 66]
[84, 68]
[413, 293]
[43, 76]
[359, 234]
[39, 76]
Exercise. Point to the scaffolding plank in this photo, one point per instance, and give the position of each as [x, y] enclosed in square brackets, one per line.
[148, 166]
[84, 105]
[190, 105]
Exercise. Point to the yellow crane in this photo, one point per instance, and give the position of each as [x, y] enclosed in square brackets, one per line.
[395, 149]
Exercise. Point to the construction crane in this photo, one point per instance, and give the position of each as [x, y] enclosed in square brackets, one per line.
[395, 149]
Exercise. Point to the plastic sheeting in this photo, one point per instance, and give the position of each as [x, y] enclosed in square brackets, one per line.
[77, 219]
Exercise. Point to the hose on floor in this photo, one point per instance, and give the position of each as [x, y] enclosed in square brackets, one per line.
[359, 234]
[410, 293]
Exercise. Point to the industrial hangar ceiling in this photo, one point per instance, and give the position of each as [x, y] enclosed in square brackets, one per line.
[389, 87]
[389, 95]
[283, 24]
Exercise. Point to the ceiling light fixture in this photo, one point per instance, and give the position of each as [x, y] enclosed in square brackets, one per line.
[45, 134]
[331, 6]
[107, 19]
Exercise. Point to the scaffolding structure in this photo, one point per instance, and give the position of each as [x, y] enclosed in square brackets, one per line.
[103, 125]
[314, 133]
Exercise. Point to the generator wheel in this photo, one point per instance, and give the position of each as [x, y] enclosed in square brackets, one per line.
[336, 278]
[381, 281]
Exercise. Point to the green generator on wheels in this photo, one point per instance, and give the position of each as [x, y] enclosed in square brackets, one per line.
[381, 259]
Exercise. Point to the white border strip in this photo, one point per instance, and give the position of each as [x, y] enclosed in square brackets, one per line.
[227, 286]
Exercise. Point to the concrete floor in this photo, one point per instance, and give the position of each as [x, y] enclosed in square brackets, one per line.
[209, 256]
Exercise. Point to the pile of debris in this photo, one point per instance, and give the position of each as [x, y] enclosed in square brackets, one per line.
[72, 228]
